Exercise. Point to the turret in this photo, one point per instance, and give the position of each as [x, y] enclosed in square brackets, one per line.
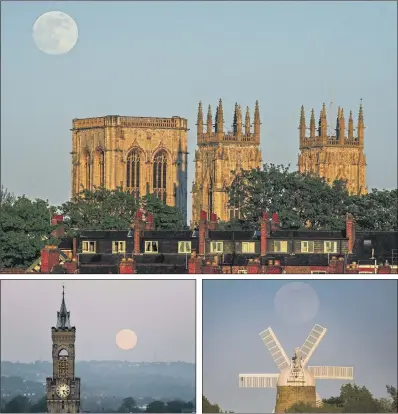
[257, 122]
[323, 125]
[199, 123]
[237, 125]
[350, 128]
[312, 124]
[220, 120]
[247, 122]
[209, 127]
[340, 132]
[302, 125]
[361, 126]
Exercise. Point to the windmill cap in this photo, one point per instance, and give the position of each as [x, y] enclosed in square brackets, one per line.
[284, 379]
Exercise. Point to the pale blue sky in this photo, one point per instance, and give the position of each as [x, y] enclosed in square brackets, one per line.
[361, 318]
[161, 58]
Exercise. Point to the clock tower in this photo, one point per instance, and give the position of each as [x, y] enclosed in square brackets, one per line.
[63, 389]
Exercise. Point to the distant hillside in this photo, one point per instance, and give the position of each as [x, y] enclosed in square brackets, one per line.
[113, 379]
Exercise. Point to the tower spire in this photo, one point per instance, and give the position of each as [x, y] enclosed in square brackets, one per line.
[312, 124]
[361, 125]
[257, 122]
[63, 316]
[341, 127]
[209, 121]
[200, 121]
[220, 118]
[350, 127]
[247, 122]
[302, 124]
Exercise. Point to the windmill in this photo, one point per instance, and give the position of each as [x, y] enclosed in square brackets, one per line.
[296, 381]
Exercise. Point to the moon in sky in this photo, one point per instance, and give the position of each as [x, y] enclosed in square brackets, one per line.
[296, 302]
[126, 339]
[55, 33]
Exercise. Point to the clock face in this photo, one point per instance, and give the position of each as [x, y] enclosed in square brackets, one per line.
[63, 390]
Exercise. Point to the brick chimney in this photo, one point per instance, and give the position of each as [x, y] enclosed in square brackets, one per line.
[49, 258]
[194, 263]
[58, 220]
[213, 221]
[127, 267]
[263, 234]
[150, 222]
[202, 232]
[275, 224]
[350, 231]
[138, 227]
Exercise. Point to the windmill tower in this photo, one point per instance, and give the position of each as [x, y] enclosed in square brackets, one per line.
[296, 381]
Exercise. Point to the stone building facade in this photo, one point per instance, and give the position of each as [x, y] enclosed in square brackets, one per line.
[141, 155]
[219, 153]
[334, 156]
[63, 388]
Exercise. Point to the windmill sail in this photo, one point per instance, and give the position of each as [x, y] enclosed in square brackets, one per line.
[258, 380]
[334, 373]
[275, 349]
[311, 343]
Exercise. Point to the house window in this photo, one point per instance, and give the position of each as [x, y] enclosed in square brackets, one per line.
[248, 247]
[151, 247]
[280, 246]
[89, 247]
[330, 247]
[307, 247]
[118, 247]
[318, 272]
[242, 272]
[216, 247]
[184, 247]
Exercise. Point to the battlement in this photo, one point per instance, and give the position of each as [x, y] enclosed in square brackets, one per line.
[322, 135]
[175, 122]
[243, 133]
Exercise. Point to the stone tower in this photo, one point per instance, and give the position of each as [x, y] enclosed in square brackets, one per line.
[334, 156]
[295, 385]
[141, 155]
[63, 388]
[219, 153]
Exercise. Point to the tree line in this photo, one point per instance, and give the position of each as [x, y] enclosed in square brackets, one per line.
[352, 399]
[22, 404]
[301, 201]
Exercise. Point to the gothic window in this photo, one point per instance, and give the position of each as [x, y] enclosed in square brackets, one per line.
[101, 168]
[160, 175]
[211, 199]
[87, 167]
[133, 173]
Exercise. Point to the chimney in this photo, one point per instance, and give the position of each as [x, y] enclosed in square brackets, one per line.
[263, 234]
[202, 232]
[127, 267]
[74, 249]
[150, 223]
[138, 226]
[350, 231]
[57, 221]
[275, 225]
[49, 258]
[213, 221]
[194, 263]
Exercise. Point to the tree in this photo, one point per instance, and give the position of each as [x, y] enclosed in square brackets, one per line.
[304, 408]
[40, 406]
[208, 407]
[25, 228]
[393, 393]
[156, 407]
[18, 404]
[128, 405]
[166, 217]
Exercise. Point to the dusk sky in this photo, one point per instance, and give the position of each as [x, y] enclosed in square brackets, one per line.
[361, 318]
[161, 313]
[161, 58]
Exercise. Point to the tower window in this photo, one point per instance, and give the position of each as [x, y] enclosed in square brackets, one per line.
[101, 165]
[87, 168]
[160, 176]
[133, 173]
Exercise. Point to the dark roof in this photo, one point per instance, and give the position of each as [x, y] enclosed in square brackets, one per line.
[100, 259]
[105, 234]
[233, 235]
[308, 234]
[167, 234]
[165, 259]
[382, 243]
[66, 243]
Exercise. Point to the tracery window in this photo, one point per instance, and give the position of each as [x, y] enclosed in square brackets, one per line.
[133, 173]
[160, 175]
[101, 167]
[88, 172]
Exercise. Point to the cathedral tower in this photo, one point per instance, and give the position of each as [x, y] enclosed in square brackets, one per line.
[334, 156]
[63, 389]
[219, 153]
[141, 155]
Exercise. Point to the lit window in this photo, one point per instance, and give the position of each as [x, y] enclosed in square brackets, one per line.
[89, 247]
[318, 272]
[280, 246]
[118, 247]
[242, 272]
[248, 247]
[307, 247]
[184, 247]
[216, 247]
[330, 247]
[151, 247]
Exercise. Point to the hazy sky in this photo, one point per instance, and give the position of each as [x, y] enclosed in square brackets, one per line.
[361, 318]
[162, 313]
[160, 59]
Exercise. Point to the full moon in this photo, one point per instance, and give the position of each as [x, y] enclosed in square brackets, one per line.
[55, 33]
[296, 302]
[126, 339]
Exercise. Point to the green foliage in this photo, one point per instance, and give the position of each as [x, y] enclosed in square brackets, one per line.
[393, 393]
[129, 406]
[18, 404]
[40, 406]
[304, 408]
[208, 407]
[25, 228]
[301, 199]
